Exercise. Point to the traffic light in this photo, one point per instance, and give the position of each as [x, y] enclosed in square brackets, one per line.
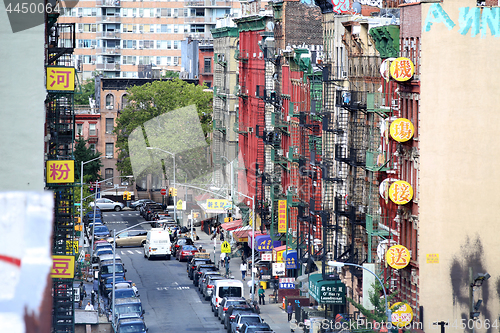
[124, 195]
[174, 192]
[170, 191]
[129, 196]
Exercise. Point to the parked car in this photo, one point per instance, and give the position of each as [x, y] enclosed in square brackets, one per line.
[157, 244]
[101, 232]
[179, 242]
[145, 208]
[226, 302]
[225, 288]
[208, 286]
[130, 238]
[152, 211]
[185, 252]
[107, 204]
[106, 270]
[126, 306]
[121, 293]
[242, 318]
[136, 205]
[234, 310]
[89, 216]
[200, 269]
[204, 277]
[254, 328]
[101, 244]
[131, 325]
[107, 284]
[191, 266]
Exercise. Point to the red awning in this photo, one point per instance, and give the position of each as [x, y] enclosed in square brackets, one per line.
[241, 234]
[231, 225]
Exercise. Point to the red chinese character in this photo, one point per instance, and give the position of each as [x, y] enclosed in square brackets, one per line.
[397, 257]
[403, 130]
[61, 77]
[402, 69]
[60, 266]
[56, 169]
[402, 192]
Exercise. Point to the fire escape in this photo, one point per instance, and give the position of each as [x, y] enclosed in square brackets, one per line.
[60, 41]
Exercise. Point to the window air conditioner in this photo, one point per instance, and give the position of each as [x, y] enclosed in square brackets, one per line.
[80, 30]
[250, 129]
[157, 16]
[109, 107]
[344, 74]
[133, 15]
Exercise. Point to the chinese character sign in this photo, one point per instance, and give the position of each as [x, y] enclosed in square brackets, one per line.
[286, 283]
[400, 192]
[264, 243]
[402, 69]
[291, 259]
[397, 256]
[402, 314]
[216, 204]
[281, 216]
[402, 130]
[61, 78]
[63, 267]
[432, 258]
[62, 171]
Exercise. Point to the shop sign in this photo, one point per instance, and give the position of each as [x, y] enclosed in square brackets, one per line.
[402, 130]
[397, 256]
[278, 269]
[216, 204]
[402, 69]
[291, 259]
[266, 256]
[61, 171]
[279, 256]
[282, 216]
[63, 267]
[402, 314]
[265, 243]
[432, 258]
[287, 283]
[60, 78]
[327, 292]
[400, 192]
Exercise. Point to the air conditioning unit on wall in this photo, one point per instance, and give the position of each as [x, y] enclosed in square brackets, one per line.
[250, 129]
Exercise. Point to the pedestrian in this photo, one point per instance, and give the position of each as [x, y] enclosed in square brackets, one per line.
[89, 307]
[262, 295]
[222, 256]
[227, 259]
[243, 269]
[134, 288]
[289, 310]
[82, 293]
[221, 236]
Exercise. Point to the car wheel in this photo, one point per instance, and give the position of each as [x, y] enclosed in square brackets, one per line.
[145, 256]
[168, 256]
[143, 242]
[215, 312]
[117, 208]
[137, 208]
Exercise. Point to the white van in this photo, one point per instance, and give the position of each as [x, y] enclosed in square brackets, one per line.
[157, 244]
[226, 288]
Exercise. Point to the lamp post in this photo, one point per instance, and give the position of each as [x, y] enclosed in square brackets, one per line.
[231, 181]
[253, 243]
[81, 195]
[342, 264]
[173, 156]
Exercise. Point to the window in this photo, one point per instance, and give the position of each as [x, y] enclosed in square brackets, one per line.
[109, 101]
[207, 65]
[108, 173]
[109, 150]
[92, 147]
[124, 101]
[176, 44]
[109, 125]
[92, 130]
[79, 129]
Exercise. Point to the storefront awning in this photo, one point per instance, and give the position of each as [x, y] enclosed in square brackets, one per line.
[326, 291]
[228, 226]
[241, 234]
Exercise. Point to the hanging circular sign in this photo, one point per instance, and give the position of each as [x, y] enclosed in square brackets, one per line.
[402, 130]
[383, 188]
[402, 69]
[402, 314]
[400, 192]
[397, 256]
[384, 68]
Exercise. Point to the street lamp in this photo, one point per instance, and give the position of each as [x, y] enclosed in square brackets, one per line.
[342, 264]
[253, 242]
[81, 195]
[173, 156]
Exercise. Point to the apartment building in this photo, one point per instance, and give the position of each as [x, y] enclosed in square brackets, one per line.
[115, 37]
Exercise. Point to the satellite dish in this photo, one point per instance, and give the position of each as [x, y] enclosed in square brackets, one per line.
[356, 7]
[270, 26]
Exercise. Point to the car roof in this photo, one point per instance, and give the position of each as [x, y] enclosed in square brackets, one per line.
[127, 300]
[234, 298]
[136, 320]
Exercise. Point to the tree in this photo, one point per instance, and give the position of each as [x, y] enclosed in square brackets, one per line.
[82, 153]
[171, 74]
[157, 100]
[378, 314]
[88, 89]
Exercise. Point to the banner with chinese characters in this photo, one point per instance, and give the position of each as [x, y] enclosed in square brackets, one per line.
[216, 205]
[60, 78]
[72, 246]
[61, 171]
[291, 259]
[265, 243]
[400, 192]
[402, 314]
[287, 283]
[281, 216]
[63, 267]
[402, 69]
[397, 256]
[401, 130]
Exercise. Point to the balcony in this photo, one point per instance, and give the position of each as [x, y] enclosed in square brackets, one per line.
[109, 35]
[108, 3]
[350, 99]
[109, 51]
[108, 67]
[109, 19]
[208, 3]
[201, 19]
[93, 136]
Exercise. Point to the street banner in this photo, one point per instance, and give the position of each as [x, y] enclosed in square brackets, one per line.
[282, 216]
[60, 171]
[63, 267]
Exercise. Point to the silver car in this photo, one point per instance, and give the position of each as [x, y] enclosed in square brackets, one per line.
[106, 204]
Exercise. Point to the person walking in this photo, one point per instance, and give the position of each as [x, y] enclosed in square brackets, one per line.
[136, 291]
[82, 293]
[243, 269]
[262, 295]
[289, 311]
[89, 307]
[227, 259]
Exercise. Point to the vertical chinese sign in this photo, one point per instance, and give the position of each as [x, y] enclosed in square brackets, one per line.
[400, 192]
[60, 171]
[281, 216]
[60, 79]
[63, 267]
[402, 69]
[397, 256]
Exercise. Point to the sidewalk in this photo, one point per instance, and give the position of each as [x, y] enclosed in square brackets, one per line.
[271, 313]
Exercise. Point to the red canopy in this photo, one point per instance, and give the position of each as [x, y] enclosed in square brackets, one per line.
[228, 226]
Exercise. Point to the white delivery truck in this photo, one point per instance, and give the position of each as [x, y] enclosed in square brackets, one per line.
[157, 244]
[225, 288]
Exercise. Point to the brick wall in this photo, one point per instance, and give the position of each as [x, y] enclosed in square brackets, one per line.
[302, 24]
[411, 20]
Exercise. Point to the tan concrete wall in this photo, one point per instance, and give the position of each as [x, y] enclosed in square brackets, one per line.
[459, 169]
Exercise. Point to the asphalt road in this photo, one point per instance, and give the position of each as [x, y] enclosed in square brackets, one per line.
[171, 302]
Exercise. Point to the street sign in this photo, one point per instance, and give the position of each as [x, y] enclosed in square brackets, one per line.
[179, 205]
[225, 247]
[163, 191]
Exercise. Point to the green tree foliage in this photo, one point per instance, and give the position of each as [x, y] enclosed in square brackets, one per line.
[88, 89]
[90, 170]
[171, 74]
[152, 100]
[377, 299]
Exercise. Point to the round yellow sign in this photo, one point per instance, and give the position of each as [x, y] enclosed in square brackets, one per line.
[402, 69]
[402, 314]
[402, 130]
[400, 192]
[397, 256]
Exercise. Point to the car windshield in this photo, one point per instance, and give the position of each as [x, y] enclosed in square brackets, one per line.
[250, 319]
[109, 269]
[117, 279]
[124, 293]
[188, 248]
[132, 328]
[100, 228]
[104, 251]
[229, 303]
[128, 308]
[229, 291]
